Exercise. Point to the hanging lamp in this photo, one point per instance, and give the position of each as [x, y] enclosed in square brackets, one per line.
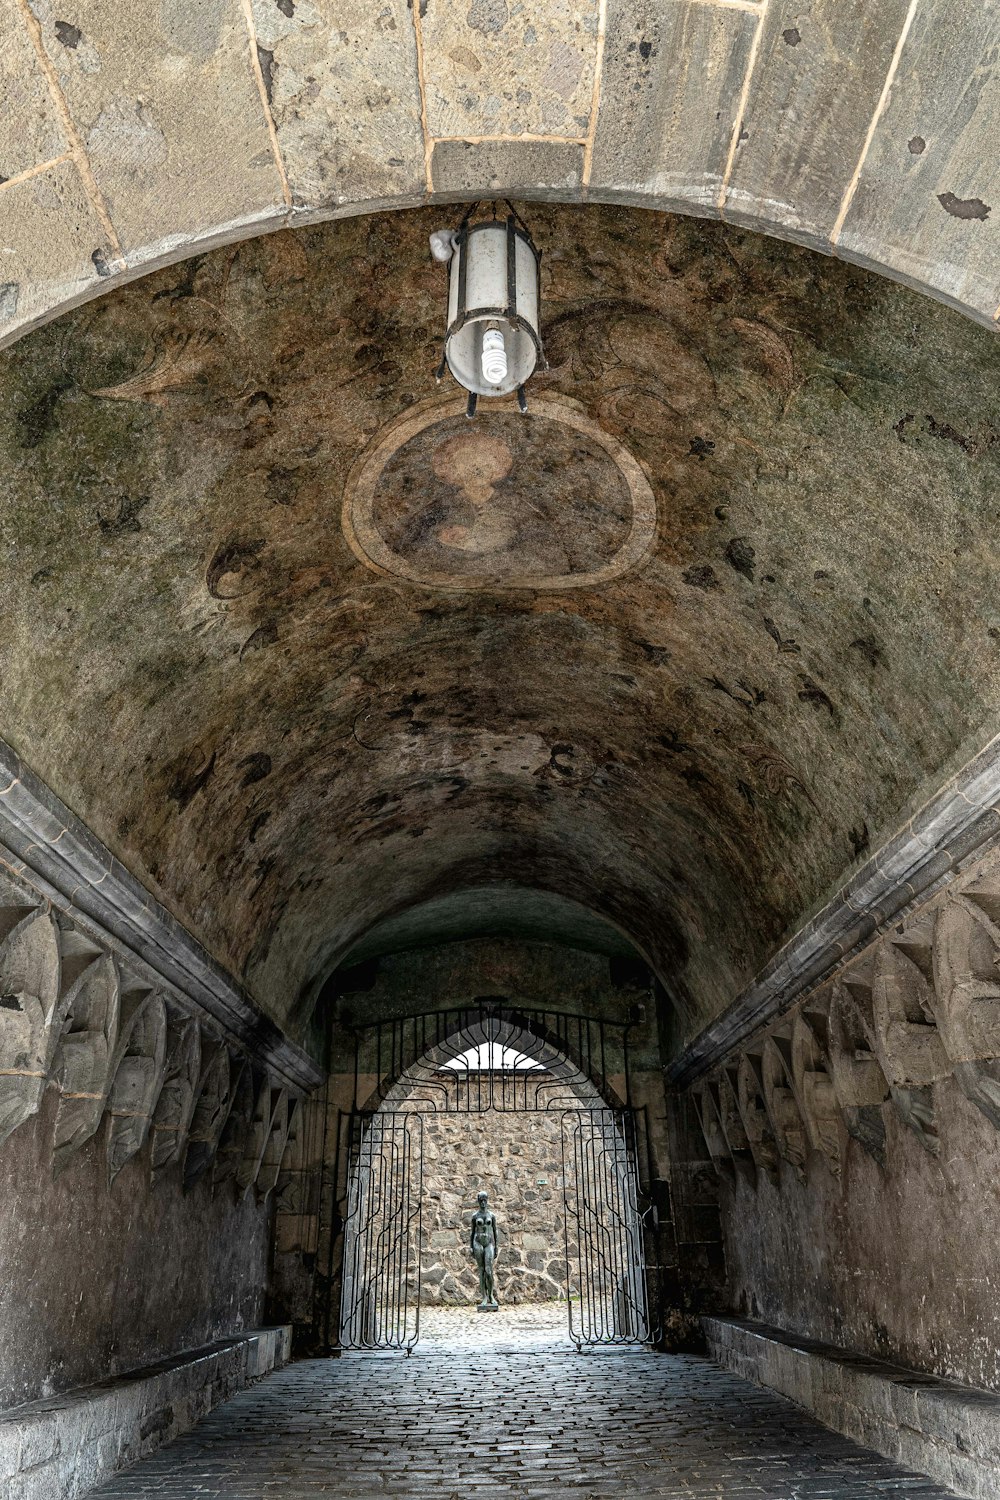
[492, 344]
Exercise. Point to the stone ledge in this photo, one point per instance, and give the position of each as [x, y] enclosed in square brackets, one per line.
[931, 1426]
[65, 1445]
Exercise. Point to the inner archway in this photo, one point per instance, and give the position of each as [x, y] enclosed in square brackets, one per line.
[518, 1105]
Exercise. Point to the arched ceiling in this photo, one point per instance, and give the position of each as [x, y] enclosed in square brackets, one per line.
[135, 135]
[692, 727]
[493, 911]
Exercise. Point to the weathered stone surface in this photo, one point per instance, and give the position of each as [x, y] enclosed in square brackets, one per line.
[30, 129]
[934, 1427]
[66, 1445]
[97, 1282]
[491, 68]
[170, 115]
[928, 196]
[203, 440]
[344, 93]
[847, 1264]
[546, 169]
[826, 62]
[671, 83]
[55, 246]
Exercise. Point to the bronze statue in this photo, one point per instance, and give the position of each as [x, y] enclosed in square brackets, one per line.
[484, 1247]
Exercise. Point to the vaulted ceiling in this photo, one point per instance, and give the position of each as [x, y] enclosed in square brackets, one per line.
[309, 651]
[331, 671]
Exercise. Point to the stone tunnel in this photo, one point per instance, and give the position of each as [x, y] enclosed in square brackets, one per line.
[595, 806]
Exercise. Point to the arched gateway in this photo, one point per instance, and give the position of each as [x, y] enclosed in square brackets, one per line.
[494, 1058]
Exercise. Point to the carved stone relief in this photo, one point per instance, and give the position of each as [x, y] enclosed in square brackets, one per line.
[711, 1127]
[232, 1149]
[83, 1063]
[177, 1096]
[750, 1094]
[265, 1141]
[860, 1085]
[29, 997]
[967, 989]
[274, 1146]
[814, 1088]
[140, 1061]
[734, 1130]
[210, 1112]
[919, 1006]
[75, 1016]
[781, 1103]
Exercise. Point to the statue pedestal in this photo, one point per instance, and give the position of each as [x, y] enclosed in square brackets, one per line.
[490, 1307]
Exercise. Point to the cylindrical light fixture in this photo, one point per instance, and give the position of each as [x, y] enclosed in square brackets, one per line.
[492, 344]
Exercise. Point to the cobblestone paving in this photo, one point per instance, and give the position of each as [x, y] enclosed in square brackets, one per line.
[461, 1419]
[525, 1325]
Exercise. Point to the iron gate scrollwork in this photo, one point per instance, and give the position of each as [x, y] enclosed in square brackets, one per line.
[487, 1058]
[604, 1228]
[380, 1288]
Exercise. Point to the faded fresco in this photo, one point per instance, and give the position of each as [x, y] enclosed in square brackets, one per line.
[546, 500]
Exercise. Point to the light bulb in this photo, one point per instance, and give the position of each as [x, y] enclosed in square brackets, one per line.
[494, 358]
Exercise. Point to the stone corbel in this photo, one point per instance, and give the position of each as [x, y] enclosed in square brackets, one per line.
[753, 1112]
[861, 1087]
[83, 1060]
[907, 1040]
[30, 1015]
[782, 1105]
[175, 1106]
[232, 1147]
[274, 1149]
[139, 1067]
[967, 991]
[812, 1080]
[208, 1119]
[707, 1109]
[258, 1138]
[734, 1130]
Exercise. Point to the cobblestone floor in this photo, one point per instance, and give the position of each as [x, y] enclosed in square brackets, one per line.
[461, 1418]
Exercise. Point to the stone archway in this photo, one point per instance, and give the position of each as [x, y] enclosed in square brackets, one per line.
[863, 134]
[495, 1103]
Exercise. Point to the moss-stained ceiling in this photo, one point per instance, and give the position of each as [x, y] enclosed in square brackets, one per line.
[306, 651]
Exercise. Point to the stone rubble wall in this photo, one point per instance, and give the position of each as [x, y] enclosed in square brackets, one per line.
[517, 1158]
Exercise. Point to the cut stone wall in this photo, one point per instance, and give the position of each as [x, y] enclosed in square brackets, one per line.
[517, 1159]
[932, 1427]
[97, 1281]
[65, 1445]
[857, 1145]
[901, 1263]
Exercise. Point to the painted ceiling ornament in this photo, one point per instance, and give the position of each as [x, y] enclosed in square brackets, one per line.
[550, 503]
[492, 344]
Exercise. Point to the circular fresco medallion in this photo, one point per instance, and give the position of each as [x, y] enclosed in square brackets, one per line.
[544, 501]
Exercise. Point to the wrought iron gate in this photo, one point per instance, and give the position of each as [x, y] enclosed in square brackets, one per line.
[483, 1058]
[380, 1288]
[604, 1229]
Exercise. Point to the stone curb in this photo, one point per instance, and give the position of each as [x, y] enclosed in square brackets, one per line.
[931, 1426]
[65, 1445]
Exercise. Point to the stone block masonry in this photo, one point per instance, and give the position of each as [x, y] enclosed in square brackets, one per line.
[936, 1427]
[63, 1446]
[517, 1158]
